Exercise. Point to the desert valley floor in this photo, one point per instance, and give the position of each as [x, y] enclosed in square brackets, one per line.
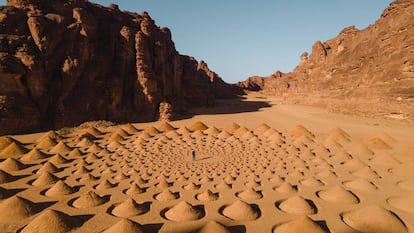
[267, 168]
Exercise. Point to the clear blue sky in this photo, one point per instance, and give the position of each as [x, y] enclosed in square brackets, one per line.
[240, 38]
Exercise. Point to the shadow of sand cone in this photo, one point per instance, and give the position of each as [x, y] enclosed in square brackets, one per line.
[166, 195]
[297, 205]
[52, 221]
[88, 200]
[374, 219]
[250, 194]
[11, 164]
[129, 208]
[182, 212]
[13, 150]
[15, 209]
[125, 226]
[6, 177]
[303, 224]
[241, 211]
[338, 195]
[207, 195]
[213, 226]
[59, 189]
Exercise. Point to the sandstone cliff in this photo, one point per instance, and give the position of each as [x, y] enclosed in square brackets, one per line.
[68, 61]
[367, 72]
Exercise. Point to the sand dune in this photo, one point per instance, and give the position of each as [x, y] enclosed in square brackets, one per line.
[192, 176]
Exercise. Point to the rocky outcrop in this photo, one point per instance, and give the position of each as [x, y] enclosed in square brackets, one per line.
[367, 72]
[70, 61]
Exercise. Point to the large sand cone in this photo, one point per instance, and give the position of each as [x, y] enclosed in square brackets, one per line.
[125, 226]
[52, 221]
[59, 189]
[129, 208]
[213, 227]
[33, 155]
[374, 219]
[13, 150]
[11, 164]
[241, 211]
[15, 209]
[184, 211]
[297, 205]
[338, 195]
[303, 224]
[88, 200]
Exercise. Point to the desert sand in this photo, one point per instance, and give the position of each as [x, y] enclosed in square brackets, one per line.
[255, 165]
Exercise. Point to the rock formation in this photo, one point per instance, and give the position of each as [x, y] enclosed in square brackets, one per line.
[366, 72]
[69, 61]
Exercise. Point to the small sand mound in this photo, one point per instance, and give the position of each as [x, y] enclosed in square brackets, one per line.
[52, 221]
[360, 151]
[303, 224]
[95, 148]
[212, 131]
[250, 194]
[11, 164]
[45, 179]
[94, 131]
[311, 182]
[84, 142]
[134, 190]
[338, 195]
[338, 135]
[298, 205]
[58, 159]
[130, 129]
[360, 184]
[59, 189]
[172, 134]
[241, 211]
[191, 186]
[165, 127]
[405, 203]
[407, 185]
[224, 134]
[260, 129]
[166, 195]
[385, 160]
[184, 211]
[129, 208]
[240, 131]
[61, 148]
[183, 130]
[13, 150]
[223, 186]
[286, 188]
[299, 131]
[366, 173]
[377, 143]
[15, 209]
[125, 226]
[198, 126]
[215, 227]
[120, 132]
[33, 155]
[231, 128]
[207, 195]
[374, 219]
[104, 184]
[88, 200]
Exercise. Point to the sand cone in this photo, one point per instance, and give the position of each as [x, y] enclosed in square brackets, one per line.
[250, 194]
[129, 208]
[134, 190]
[311, 182]
[15, 209]
[88, 200]
[360, 184]
[13, 150]
[404, 203]
[198, 126]
[182, 212]
[59, 189]
[48, 167]
[61, 148]
[166, 195]
[5, 141]
[45, 178]
[207, 196]
[33, 155]
[125, 226]
[6, 177]
[151, 130]
[45, 143]
[191, 186]
[338, 195]
[241, 211]
[374, 219]
[165, 127]
[215, 227]
[11, 165]
[297, 205]
[303, 224]
[231, 128]
[52, 221]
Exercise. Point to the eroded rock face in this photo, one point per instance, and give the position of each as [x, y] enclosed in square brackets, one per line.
[66, 62]
[367, 72]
